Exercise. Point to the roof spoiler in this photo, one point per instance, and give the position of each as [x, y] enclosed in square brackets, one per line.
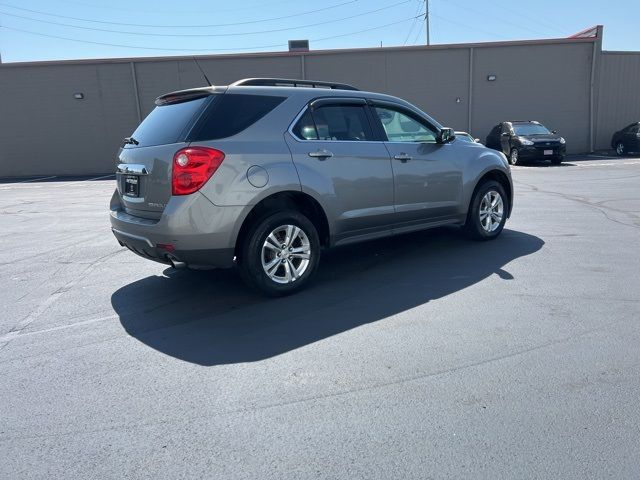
[186, 95]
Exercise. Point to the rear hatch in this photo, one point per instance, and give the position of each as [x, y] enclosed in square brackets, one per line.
[145, 161]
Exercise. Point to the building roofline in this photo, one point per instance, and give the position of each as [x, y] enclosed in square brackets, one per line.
[89, 61]
[620, 52]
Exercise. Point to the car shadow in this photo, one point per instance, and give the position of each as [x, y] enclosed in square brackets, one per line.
[544, 164]
[210, 318]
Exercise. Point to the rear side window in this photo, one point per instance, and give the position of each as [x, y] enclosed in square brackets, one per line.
[230, 114]
[168, 123]
[305, 128]
[334, 122]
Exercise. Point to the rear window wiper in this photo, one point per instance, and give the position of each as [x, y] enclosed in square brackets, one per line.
[131, 141]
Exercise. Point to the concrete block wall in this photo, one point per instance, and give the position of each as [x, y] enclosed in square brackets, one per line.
[45, 131]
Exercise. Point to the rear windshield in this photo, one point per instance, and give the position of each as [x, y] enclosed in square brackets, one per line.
[230, 114]
[168, 123]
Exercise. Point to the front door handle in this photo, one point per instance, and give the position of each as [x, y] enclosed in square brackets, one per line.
[322, 154]
[403, 157]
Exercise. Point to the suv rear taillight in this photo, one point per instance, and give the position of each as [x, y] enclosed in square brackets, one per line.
[192, 167]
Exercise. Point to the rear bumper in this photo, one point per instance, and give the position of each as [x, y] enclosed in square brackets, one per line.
[191, 230]
[533, 152]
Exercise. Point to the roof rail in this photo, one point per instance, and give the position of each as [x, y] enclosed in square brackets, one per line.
[291, 82]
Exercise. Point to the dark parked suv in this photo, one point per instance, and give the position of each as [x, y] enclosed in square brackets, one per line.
[527, 140]
[264, 173]
[627, 140]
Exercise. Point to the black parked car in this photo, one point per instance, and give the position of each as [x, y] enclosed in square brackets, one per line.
[527, 140]
[627, 140]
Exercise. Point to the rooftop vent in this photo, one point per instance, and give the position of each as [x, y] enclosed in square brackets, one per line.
[298, 45]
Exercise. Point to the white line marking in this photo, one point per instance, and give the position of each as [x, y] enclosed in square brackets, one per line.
[37, 179]
[98, 178]
[16, 334]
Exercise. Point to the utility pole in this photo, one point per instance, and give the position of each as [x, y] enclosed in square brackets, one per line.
[426, 19]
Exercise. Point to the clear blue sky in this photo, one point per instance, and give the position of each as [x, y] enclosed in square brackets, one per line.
[157, 27]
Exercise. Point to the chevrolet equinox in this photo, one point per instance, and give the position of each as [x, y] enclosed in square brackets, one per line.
[264, 173]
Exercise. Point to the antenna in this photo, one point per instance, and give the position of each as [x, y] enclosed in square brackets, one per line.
[202, 71]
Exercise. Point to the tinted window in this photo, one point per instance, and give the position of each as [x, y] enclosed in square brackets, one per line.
[168, 123]
[495, 131]
[530, 129]
[634, 129]
[341, 122]
[305, 128]
[401, 127]
[230, 114]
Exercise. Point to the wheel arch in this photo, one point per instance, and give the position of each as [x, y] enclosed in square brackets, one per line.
[497, 176]
[290, 200]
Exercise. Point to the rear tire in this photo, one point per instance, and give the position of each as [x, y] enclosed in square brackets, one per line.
[514, 156]
[280, 254]
[620, 149]
[488, 211]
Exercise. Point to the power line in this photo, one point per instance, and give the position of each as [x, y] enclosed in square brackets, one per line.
[362, 31]
[257, 32]
[471, 27]
[248, 22]
[181, 11]
[550, 25]
[419, 32]
[199, 49]
[413, 24]
[502, 19]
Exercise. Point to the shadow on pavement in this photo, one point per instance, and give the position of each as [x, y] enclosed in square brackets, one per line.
[210, 318]
[543, 164]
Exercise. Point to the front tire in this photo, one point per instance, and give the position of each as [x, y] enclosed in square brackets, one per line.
[280, 254]
[488, 211]
[514, 156]
[620, 149]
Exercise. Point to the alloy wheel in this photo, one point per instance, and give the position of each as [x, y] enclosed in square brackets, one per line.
[491, 211]
[285, 254]
[514, 156]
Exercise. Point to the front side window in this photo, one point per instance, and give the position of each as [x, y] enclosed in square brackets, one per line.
[334, 122]
[401, 127]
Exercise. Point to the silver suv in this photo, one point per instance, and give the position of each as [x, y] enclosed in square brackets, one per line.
[264, 173]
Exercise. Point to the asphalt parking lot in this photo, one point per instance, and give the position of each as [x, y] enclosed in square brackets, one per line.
[423, 356]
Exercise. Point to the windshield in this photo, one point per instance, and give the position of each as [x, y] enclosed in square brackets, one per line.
[465, 137]
[530, 129]
[168, 123]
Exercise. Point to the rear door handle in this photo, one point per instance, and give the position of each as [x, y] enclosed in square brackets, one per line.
[321, 154]
[403, 157]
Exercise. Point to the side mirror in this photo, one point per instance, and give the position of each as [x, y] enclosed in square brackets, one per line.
[554, 131]
[445, 135]
[477, 140]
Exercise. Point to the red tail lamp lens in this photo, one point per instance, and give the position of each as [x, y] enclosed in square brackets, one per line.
[192, 167]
